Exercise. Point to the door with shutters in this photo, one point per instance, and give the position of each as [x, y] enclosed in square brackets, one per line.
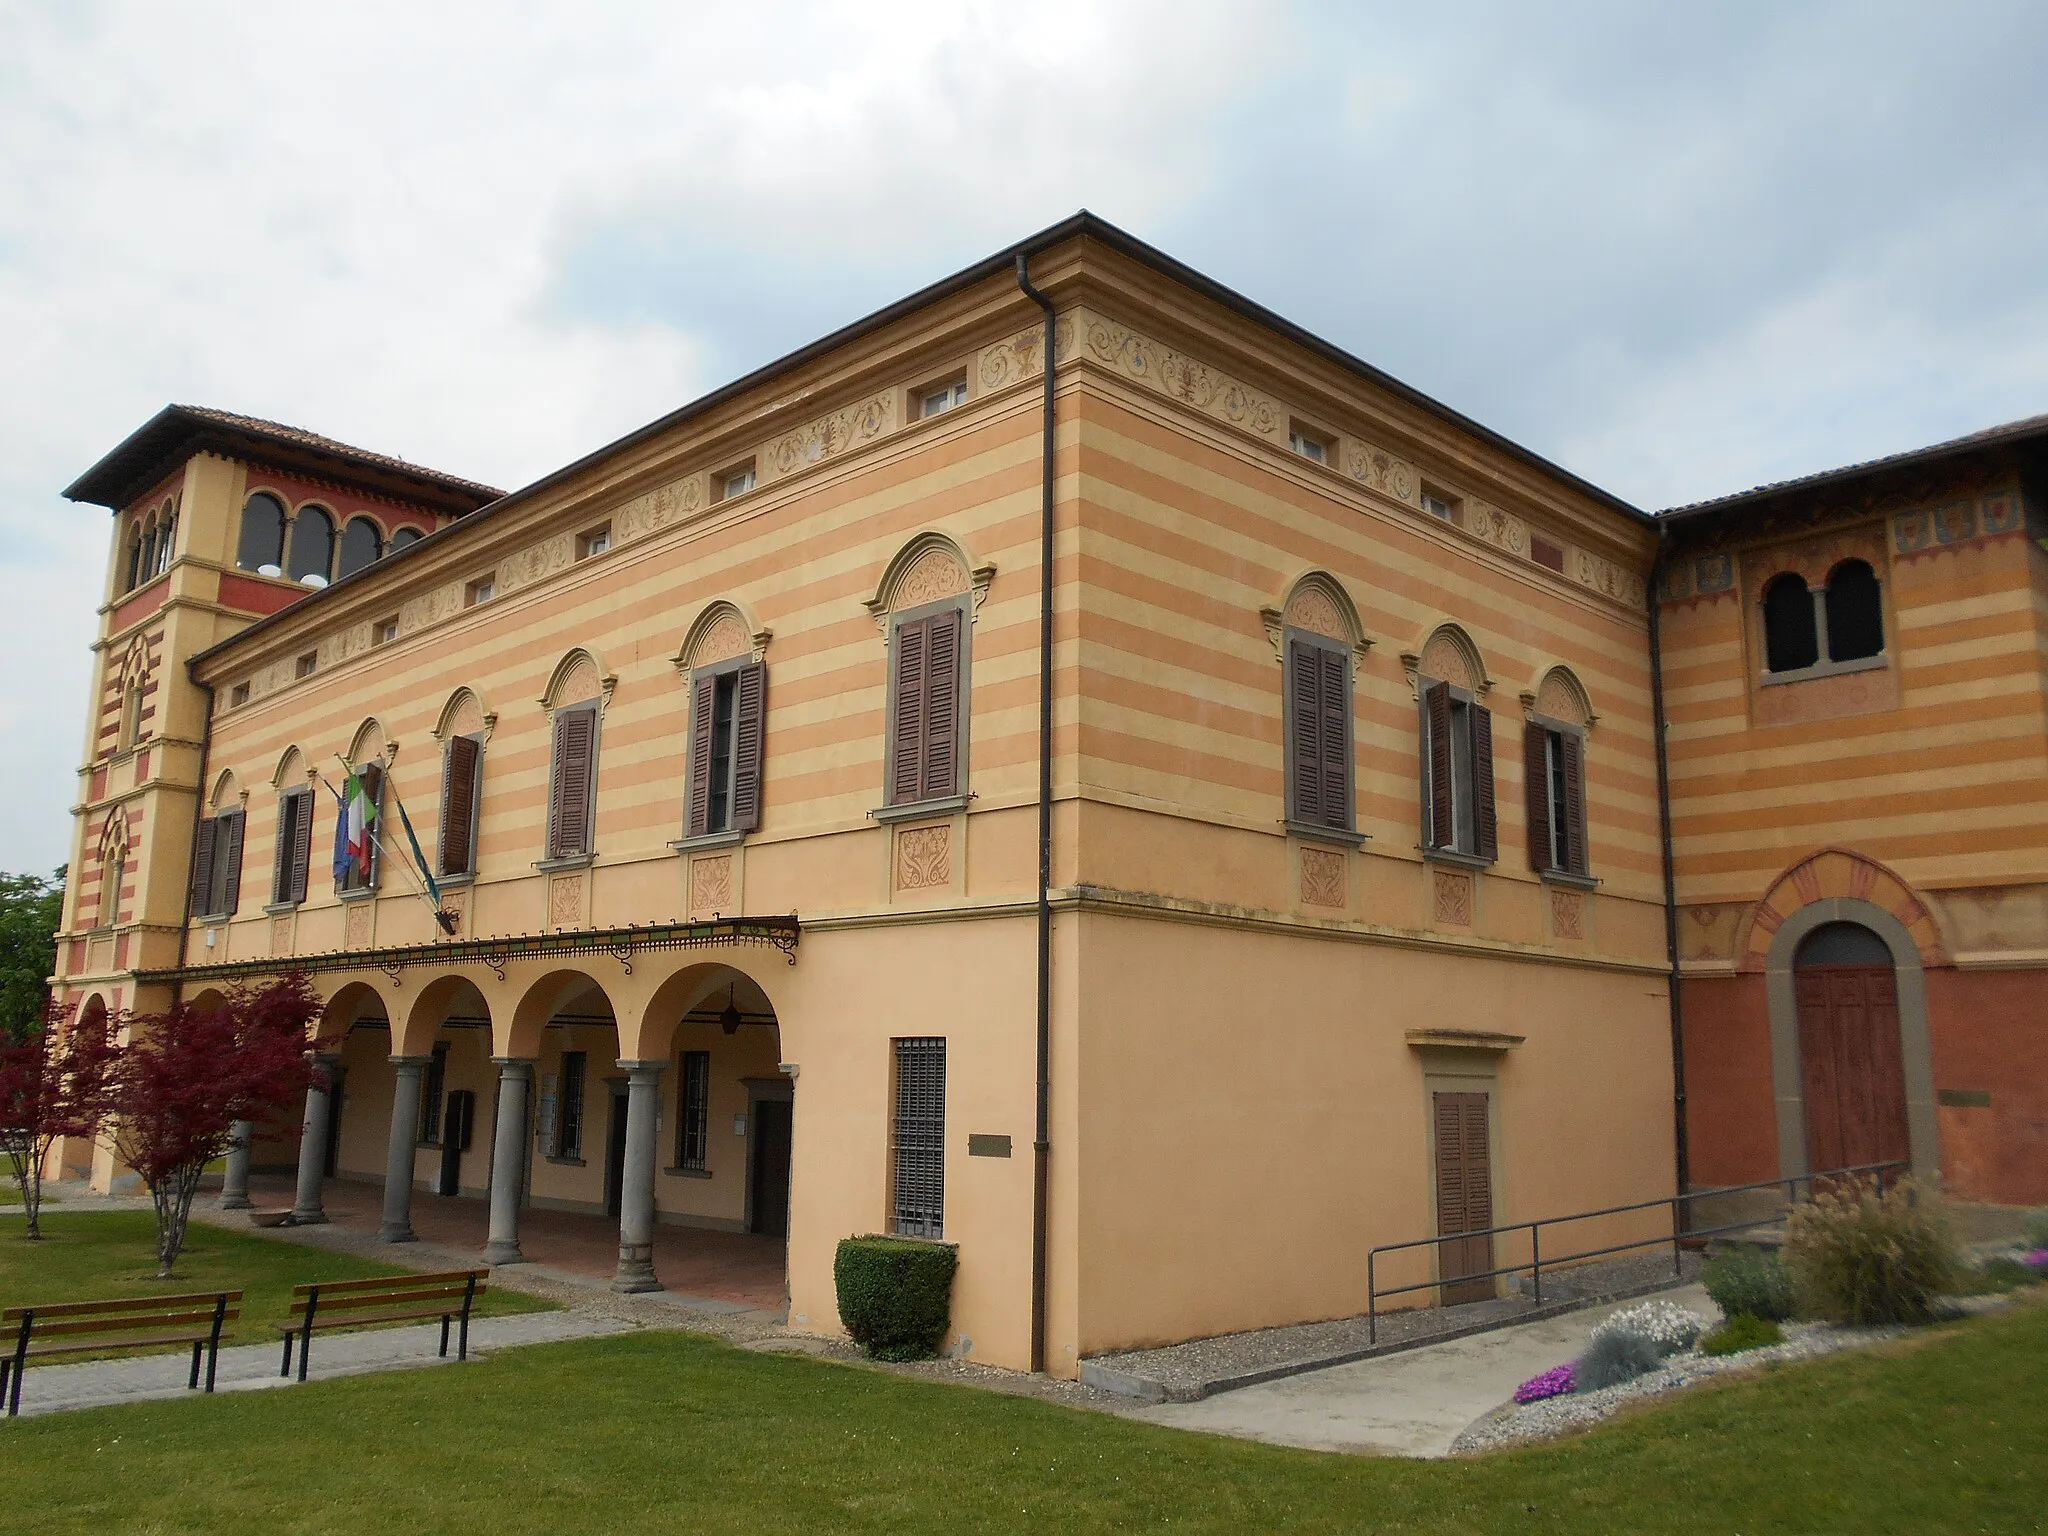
[1852, 1067]
[1464, 1195]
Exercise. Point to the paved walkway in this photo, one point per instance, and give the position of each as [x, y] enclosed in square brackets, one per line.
[253, 1367]
[1410, 1404]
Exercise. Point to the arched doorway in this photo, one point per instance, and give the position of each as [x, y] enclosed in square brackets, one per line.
[1852, 1069]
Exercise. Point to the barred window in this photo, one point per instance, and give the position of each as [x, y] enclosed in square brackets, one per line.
[693, 1132]
[918, 1139]
[569, 1121]
[431, 1091]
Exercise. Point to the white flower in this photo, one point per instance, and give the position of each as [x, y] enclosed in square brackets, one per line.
[1664, 1323]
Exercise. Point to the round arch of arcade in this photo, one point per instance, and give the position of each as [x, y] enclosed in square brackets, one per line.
[577, 1084]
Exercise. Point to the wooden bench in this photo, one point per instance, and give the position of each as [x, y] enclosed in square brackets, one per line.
[94, 1327]
[398, 1299]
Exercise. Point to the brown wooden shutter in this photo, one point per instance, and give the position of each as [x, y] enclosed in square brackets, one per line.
[703, 703]
[1486, 820]
[1574, 750]
[906, 773]
[229, 864]
[1442, 831]
[575, 762]
[372, 776]
[1536, 793]
[459, 761]
[749, 730]
[302, 846]
[942, 706]
[1333, 671]
[1304, 731]
[202, 868]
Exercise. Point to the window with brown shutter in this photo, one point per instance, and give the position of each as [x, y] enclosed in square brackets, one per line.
[202, 867]
[925, 734]
[1318, 729]
[1554, 783]
[227, 864]
[728, 718]
[1458, 810]
[461, 764]
[293, 848]
[574, 781]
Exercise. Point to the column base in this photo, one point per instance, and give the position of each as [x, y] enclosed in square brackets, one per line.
[498, 1254]
[309, 1218]
[636, 1269]
[396, 1234]
[234, 1202]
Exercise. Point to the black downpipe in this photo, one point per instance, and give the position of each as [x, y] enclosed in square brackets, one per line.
[192, 857]
[1683, 1158]
[1040, 1146]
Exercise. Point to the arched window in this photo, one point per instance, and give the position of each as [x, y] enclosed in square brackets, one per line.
[1855, 612]
[1790, 642]
[400, 537]
[148, 562]
[312, 553]
[362, 543]
[134, 572]
[166, 536]
[262, 541]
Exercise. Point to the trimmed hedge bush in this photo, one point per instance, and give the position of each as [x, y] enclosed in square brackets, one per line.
[895, 1294]
[1856, 1256]
[1743, 1330]
[1746, 1279]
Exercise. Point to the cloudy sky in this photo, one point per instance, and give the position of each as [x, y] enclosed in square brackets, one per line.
[1679, 250]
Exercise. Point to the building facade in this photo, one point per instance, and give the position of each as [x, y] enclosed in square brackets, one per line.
[722, 746]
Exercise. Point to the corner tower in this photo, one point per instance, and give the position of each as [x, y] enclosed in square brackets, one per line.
[218, 520]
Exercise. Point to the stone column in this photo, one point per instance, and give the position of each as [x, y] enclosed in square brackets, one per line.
[234, 1185]
[398, 1157]
[508, 1160]
[307, 1210]
[636, 1189]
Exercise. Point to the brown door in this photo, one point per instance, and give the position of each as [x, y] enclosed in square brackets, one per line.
[1464, 1195]
[1850, 1066]
[772, 1122]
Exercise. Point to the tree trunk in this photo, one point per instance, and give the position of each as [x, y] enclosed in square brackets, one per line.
[172, 1198]
[28, 1173]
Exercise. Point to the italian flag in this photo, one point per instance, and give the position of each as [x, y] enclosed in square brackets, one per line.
[357, 813]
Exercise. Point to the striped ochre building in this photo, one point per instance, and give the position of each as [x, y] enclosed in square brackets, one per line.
[723, 745]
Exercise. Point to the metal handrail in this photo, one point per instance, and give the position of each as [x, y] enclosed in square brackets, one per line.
[1679, 1233]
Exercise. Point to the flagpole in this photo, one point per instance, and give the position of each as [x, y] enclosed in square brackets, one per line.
[370, 830]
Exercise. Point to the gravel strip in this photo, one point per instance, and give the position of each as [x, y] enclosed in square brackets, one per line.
[1522, 1423]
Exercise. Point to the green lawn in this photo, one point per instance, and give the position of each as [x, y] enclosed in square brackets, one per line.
[663, 1432]
[99, 1255]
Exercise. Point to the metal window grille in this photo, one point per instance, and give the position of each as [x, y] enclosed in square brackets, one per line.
[569, 1122]
[918, 1139]
[431, 1091]
[694, 1133]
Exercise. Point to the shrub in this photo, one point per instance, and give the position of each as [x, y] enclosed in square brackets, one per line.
[895, 1294]
[1997, 1276]
[1555, 1382]
[1751, 1280]
[1668, 1326]
[1856, 1256]
[2037, 1231]
[1743, 1330]
[1612, 1358]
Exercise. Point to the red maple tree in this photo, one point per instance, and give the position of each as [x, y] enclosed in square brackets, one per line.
[186, 1077]
[52, 1084]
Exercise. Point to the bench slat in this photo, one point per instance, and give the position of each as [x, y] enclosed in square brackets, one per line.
[323, 1322]
[328, 1288]
[199, 1336]
[328, 1303]
[124, 1304]
[111, 1325]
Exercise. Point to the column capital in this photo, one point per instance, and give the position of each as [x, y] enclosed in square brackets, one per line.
[410, 1063]
[643, 1070]
[514, 1064]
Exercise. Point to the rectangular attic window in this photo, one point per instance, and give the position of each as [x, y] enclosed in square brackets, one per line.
[482, 590]
[934, 399]
[238, 695]
[1309, 443]
[736, 481]
[384, 631]
[595, 542]
[1440, 504]
[306, 665]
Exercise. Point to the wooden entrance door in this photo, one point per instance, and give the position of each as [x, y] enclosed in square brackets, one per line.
[615, 1159]
[1464, 1195]
[1851, 1068]
[772, 1121]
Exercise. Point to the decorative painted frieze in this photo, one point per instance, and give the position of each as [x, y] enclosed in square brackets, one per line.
[1381, 471]
[834, 434]
[656, 509]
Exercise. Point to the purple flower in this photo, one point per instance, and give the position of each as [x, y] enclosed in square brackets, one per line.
[1555, 1382]
[2038, 1259]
